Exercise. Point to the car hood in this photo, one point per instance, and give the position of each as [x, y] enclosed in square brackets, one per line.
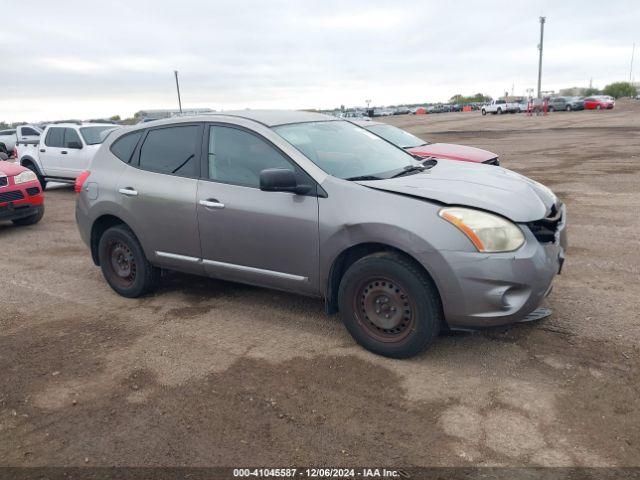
[10, 169]
[486, 187]
[453, 152]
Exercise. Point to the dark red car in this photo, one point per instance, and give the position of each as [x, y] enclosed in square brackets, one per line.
[21, 198]
[599, 103]
[421, 148]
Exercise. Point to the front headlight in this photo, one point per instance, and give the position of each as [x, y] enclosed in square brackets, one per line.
[25, 177]
[488, 233]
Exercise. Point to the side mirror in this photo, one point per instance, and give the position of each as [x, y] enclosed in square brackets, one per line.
[281, 180]
[76, 145]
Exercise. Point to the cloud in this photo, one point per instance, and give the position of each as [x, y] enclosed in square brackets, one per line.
[96, 59]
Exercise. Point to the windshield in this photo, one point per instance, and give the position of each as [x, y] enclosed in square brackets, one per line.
[398, 137]
[347, 151]
[95, 135]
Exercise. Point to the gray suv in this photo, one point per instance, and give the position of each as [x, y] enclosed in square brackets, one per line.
[315, 205]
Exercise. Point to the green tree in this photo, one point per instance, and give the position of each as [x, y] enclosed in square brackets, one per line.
[620, 89]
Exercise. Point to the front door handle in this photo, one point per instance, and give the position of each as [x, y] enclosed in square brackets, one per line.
[42, 150]
[129, 192]
[211, 203]
[64, 152]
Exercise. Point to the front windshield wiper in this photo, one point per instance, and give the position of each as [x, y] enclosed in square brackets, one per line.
[409, 169]
[363, 177]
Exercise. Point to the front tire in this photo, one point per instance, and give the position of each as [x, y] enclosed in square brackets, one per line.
[484, 112]
[389, 306]
[568, 109]
[124, 264]
[499, 112]
[598, 107]
[31, 219]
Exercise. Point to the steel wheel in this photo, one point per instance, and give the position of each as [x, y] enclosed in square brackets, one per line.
[122, 263]
[384, 309]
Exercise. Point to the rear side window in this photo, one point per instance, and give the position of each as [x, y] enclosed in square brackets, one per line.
[29, 131]
[55, 137]
[172, 150]
[124, 146]
[70, 135]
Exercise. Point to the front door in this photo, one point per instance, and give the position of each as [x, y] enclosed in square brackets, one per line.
[246, 234]
[51, 151]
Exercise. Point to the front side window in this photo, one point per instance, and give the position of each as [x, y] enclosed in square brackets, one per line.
[346, 151]
[55, 137]
[396, 136]
[71, 137]
[171, 150]
[124, 146]
[237, 157]
[95, 135]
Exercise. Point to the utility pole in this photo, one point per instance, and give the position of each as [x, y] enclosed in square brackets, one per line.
[175, 72]
[633, 52]
[542, 20]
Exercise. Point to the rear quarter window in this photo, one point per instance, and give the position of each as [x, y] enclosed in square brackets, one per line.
[124, 146]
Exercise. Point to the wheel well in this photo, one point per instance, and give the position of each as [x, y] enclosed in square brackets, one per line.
[99, 227]
[347, 258]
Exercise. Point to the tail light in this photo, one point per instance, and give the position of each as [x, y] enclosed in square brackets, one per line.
[81, 179]
[14, 152]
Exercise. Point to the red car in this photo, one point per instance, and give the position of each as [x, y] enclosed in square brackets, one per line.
[21, 198]
[599, 103]
[421, 148]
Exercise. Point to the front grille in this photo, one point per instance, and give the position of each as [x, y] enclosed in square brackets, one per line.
[11, 196]
[492, 161]
[4, 181]
[545, 229]
[33, 191]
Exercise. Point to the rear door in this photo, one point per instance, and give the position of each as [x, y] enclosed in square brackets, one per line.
[158, 189]
[249, 235]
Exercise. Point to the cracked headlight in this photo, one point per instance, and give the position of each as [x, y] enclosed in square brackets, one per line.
[488, 233]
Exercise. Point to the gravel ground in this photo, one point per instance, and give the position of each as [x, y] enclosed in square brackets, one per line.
[212, 373]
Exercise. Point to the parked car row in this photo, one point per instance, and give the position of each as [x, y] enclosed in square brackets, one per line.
[552, 104]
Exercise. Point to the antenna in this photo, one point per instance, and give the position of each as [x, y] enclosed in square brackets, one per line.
[175, 72]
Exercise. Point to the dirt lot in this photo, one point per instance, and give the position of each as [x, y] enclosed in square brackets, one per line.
[212, 373]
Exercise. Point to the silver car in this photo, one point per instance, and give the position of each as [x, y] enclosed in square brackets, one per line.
[315, 205]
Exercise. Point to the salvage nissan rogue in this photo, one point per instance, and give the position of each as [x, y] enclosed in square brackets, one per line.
[311, 204]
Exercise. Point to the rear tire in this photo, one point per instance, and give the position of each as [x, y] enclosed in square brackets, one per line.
[389, 306]
[484, 112]
[499, 111]
[568, 109]
[598, 107]
[124, 264]
[552, 109]
[31, 219]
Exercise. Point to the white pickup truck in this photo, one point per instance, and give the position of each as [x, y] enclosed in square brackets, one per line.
[10, 136]
[500, 106]
[63, 151]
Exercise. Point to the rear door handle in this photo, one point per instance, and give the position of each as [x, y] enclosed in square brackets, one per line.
[64, 152]
[211, 203]
[129, 192]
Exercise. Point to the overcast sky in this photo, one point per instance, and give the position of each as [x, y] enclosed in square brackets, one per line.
[81, 59]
